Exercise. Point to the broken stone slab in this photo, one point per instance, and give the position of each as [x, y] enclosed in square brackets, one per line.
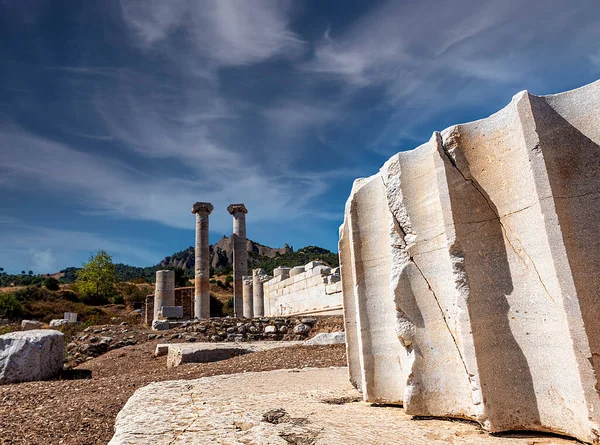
[296, 271]
[302, 406]
[58, 322]
[171, 312]
[181, 353]
[470, 267]
[281, 271]
[31, 324]
[326, 338]
[31, 355]
[160, 325]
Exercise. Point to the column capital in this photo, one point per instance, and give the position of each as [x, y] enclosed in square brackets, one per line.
[236, 208]
[202, 207]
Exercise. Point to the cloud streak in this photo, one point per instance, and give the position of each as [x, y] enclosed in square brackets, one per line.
[226, 32]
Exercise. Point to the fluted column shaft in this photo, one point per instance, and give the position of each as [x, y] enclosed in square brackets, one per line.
[248, 297]
[202, 261]
[240, 255]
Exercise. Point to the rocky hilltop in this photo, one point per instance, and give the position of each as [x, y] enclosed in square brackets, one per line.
[221, 254]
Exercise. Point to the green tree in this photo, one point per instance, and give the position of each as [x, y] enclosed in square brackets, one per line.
[51, 283]
[10, 306]
[96, 279]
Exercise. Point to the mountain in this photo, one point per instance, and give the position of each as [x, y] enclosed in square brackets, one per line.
[221, 260]
[221, 255]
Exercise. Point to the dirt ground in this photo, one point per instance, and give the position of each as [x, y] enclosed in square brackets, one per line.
[84, 411]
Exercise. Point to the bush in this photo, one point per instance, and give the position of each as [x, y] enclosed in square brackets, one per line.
[228, 280]
[118, 299]
[51, 284]
[220, 284]
[216, 307]
[10, 306]
[212, 281]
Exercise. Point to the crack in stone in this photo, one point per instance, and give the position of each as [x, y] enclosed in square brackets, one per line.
[499, 218]
[443, 316]
[177, 435]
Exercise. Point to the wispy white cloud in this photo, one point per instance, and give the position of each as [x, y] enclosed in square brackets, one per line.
[106, 186]
[432, 56]
[45, 250]
[225, 32]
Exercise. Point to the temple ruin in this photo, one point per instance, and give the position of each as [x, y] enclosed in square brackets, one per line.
[240, 255]
[202, 260]
[471, 267]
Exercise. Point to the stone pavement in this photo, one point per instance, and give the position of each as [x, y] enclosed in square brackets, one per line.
[308, 406]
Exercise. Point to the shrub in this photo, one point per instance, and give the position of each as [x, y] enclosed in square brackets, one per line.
[118, 299]
[51, 284]
[221, 284]
[228, 280]
[212, 281]
[216, 307]
[10, 306]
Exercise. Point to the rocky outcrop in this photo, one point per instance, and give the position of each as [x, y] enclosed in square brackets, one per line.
[221, 254]
[31, 355]
[471, 268]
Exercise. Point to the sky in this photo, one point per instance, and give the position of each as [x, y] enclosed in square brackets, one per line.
[116, 116]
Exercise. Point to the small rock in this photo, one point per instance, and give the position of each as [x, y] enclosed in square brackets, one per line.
[94, 340]
[231, 337]
[231, 330]
[216, 338]
[190, 339]
[160, 325]
[174, 336]
[30, 324]
[309, 321]
[302, 329]
[106, 339]
[253, 329]
[283, 329]
[271, 329]
[151, 336]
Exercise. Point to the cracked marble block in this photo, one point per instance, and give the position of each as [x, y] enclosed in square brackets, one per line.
[471, 267]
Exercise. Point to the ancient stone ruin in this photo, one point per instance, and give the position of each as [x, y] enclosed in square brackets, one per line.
[240, 255]
[313, 289]
[202, 262]
[471, 268]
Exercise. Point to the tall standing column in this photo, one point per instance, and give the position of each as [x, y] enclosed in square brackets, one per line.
[202, 266]
[164, 292]
[248, 307]
[240, 255]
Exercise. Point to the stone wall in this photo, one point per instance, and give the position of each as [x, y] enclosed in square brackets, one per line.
[184, 296]
[471, 269]
[311, 289]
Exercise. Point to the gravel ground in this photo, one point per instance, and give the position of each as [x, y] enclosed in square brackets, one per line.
[84, 411]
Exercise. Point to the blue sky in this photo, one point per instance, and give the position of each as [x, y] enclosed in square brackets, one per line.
[116, 116]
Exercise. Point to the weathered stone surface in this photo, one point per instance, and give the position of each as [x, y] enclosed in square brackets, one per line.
[307, 406]
[160, 325]
[31, 355]
[307, 290]
[202, 210]
[171, 312]
[259, 278]
[471, 268]
[31, 324]
[164, 293]
[327, 338]
[58, 322]
[281, 271]
[247, 290]
[181, 353]
[240, 255]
